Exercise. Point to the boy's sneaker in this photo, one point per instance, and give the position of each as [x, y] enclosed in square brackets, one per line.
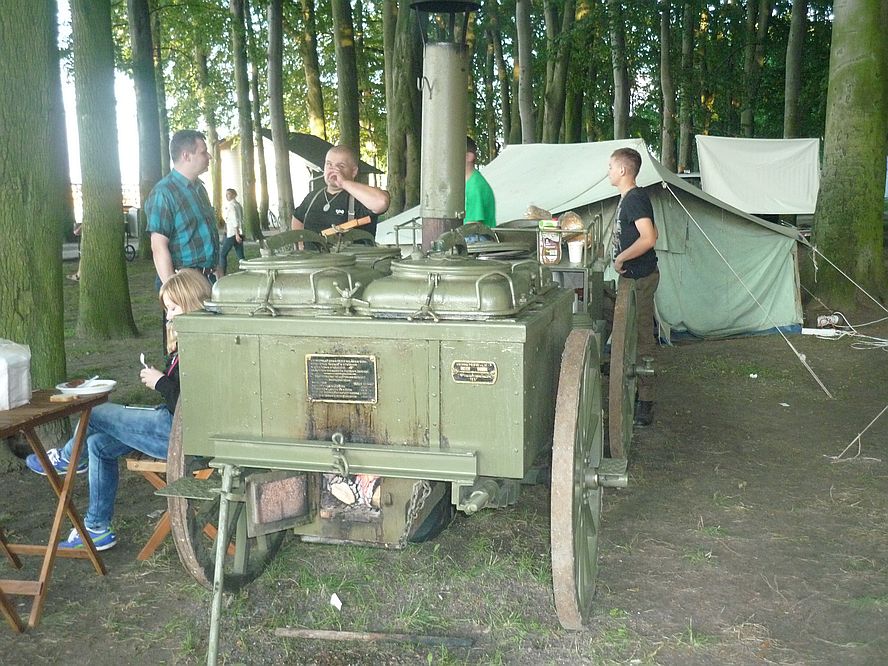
[58, 461]
[102, 539]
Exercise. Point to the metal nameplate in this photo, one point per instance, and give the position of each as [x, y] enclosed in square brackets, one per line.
[341, 378]
[473, 372]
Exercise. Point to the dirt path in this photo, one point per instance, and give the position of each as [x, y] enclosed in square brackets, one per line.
[737, 542]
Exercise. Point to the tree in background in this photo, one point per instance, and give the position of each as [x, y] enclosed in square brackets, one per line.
[150, 165]
[32, 184]
[346, 75]
[793, 80]
[848, 222]
[279, 131]
[245, 120]
[105, 310]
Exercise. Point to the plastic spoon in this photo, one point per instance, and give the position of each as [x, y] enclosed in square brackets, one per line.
[88, 382]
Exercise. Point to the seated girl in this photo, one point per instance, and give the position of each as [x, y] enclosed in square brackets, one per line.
[115, 431]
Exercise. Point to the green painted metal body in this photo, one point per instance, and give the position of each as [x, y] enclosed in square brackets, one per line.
[451, 400]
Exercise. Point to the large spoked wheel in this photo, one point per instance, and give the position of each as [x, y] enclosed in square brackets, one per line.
[577, 450]
[194, 524]
[623, 382]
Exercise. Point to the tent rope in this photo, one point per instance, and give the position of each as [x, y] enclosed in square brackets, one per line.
[857, 440]
[848, 277]
[802, 358]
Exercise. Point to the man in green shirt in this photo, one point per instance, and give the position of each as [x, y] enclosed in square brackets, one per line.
[480, 204]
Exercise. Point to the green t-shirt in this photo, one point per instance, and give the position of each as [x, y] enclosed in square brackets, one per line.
[480, 204]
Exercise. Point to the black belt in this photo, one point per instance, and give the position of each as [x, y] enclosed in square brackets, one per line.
[206, 271]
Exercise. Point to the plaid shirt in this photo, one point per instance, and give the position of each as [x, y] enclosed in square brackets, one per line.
[181, 211]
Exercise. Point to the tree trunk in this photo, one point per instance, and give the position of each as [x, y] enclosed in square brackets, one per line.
[471, 86]
[793, 83]
[280, 133]
[753, 56]
[502, 74]
[557, 86]
[208, 107]
[525, 71]
[105, 310]
[848, 222]
[245, 122]
[685, 107]
[308, 49]
[489, 112]
[393, 23]
[33, 177]
[346, 75]
[404, 118]
[667, 138]
[257, 120]
[150, 161]
[162, 117]
[617, 31]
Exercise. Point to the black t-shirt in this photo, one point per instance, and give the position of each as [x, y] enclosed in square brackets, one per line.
[314, 217]
[635, 205]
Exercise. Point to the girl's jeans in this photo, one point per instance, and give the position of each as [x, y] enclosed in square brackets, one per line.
[115, 431]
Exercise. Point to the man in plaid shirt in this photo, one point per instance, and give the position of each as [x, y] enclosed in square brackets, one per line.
[181, 220]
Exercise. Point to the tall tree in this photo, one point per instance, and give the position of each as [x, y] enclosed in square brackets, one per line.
[793, 83]
[667, 136]
[257, 120]
[848, 221]
[502, 71]
[162, 116]
[147, 117]
[33, 176]
[308, 49]
[207, 96]
[757, 14]
[346, 75]
[686, 86]
[105, 310]
[280, 133]
[557, 85]
[525, 71]
[245, 121]
[617, 31]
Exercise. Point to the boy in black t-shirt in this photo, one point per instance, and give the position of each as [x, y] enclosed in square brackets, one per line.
[342, 199]
[634, 258]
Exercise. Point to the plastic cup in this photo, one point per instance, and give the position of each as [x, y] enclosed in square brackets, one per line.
[575, 251]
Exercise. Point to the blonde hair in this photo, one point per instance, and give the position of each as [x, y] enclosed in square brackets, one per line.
[188, 289]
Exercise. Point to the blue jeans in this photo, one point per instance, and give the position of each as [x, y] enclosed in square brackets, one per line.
[115, 431]
[227, 244]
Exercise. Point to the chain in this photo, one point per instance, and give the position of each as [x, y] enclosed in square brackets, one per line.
[421, 491]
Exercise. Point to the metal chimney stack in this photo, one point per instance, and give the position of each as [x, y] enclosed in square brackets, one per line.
[443, 87]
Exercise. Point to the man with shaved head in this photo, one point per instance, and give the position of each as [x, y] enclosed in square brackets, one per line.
[342, 198]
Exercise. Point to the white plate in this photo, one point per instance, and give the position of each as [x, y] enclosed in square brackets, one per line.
[95, 387]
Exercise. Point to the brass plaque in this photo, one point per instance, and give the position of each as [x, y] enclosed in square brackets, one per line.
[473, 372]
[341, 378]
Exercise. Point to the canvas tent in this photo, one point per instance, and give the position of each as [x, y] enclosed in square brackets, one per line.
[698, 291]
[761, 176]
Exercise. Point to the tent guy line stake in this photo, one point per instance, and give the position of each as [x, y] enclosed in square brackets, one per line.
[858, 440]
[802, 358]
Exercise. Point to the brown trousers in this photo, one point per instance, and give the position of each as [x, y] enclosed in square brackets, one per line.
[645, 288]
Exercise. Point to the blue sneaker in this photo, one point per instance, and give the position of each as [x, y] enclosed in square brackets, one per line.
[58, 461]
[102, 539]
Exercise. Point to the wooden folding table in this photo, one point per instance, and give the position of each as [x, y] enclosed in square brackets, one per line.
[25, 420]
